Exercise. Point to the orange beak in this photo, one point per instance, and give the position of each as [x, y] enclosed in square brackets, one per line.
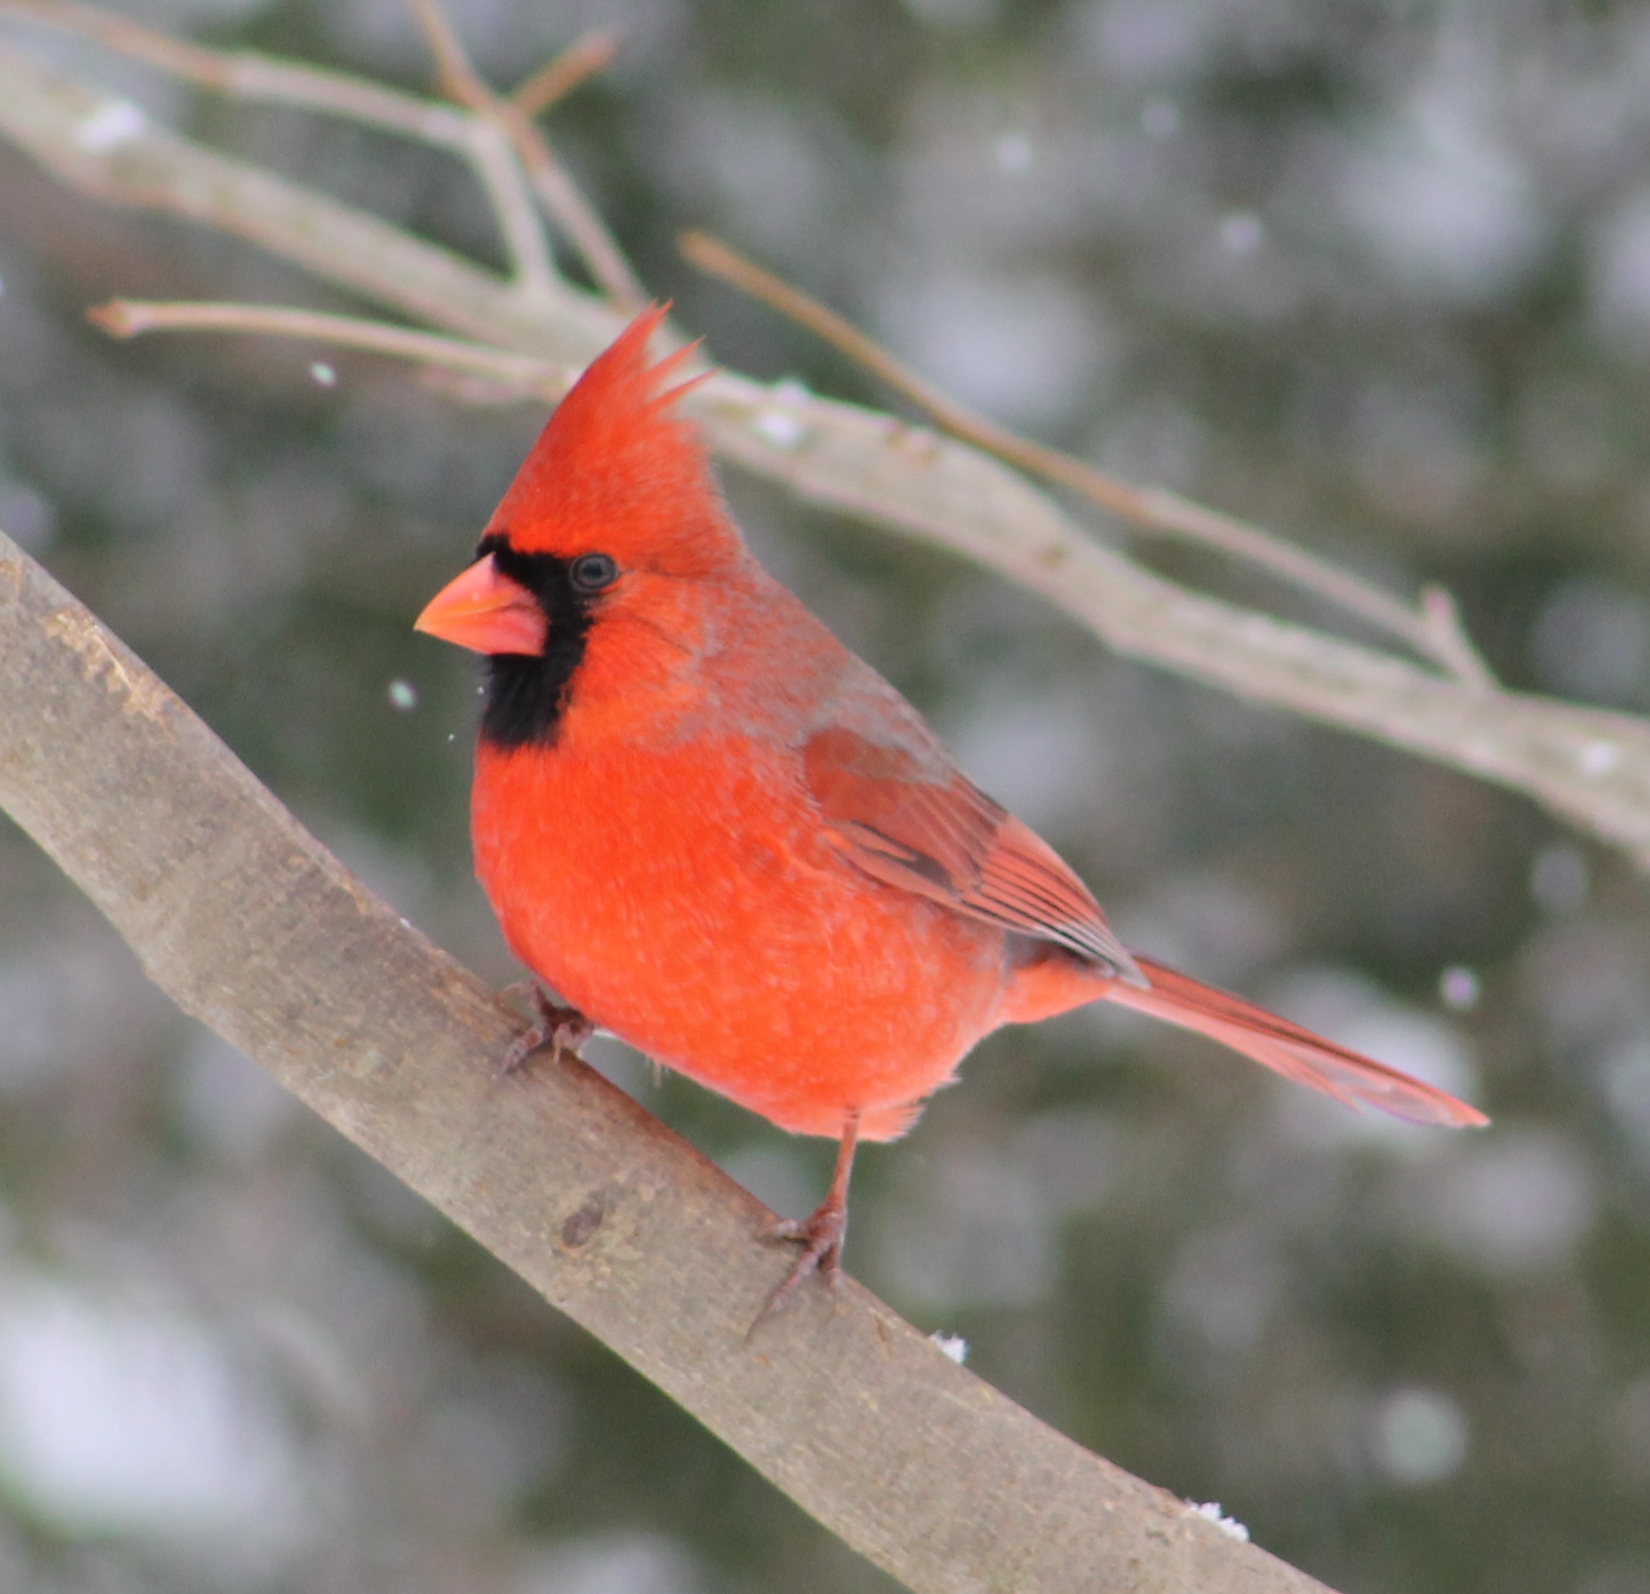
[486, 612]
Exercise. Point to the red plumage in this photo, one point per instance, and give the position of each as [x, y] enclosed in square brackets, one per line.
[723, 837]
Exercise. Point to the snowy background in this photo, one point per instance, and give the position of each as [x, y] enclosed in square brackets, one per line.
[1374, 274]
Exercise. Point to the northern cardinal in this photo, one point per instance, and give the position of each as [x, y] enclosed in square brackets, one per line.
[723, 837]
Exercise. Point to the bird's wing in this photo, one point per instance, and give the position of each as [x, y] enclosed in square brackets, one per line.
[930, 831]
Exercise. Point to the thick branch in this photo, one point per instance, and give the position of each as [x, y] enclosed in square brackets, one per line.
[252, 927]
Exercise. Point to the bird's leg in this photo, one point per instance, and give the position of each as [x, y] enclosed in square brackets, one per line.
[563, 1029]
[821, 1234]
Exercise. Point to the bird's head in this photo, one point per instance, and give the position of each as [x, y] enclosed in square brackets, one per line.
[611, 513]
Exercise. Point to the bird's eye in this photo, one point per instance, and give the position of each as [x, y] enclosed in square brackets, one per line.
[591, 572]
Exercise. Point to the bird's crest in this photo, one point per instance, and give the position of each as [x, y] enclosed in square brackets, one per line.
[616, 470]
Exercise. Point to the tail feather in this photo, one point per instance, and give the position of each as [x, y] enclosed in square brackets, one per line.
[1294, 1052]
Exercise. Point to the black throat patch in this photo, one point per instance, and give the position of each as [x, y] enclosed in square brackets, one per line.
[526, 694]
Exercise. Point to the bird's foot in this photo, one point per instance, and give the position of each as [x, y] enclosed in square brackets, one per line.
[820, 1235]
[562, 1029]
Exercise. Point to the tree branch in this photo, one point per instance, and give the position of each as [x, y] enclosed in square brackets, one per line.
[130, 318]
[556, 79]
[1430, 629]
[1589, 766]
[252, 927]
[554, 189]
[247, 75]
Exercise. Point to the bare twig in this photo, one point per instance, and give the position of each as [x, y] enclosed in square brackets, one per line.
[1433, 631]
[244, 74]
[565, 205]
[456, 78]
[607, 1214]
[585, 58]
[1451, 645]
[556, 192]
[247, 75]
[107, 146]
[128, 318]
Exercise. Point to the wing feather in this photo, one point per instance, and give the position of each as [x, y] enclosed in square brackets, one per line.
[919, 825]
[932, 832]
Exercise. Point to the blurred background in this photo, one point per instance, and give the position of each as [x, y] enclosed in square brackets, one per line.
[1375, 274]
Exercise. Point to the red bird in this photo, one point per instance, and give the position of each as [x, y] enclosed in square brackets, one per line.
[722, 836]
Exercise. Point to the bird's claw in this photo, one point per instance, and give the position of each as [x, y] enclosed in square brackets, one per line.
[820, 1235]
[564, 1030]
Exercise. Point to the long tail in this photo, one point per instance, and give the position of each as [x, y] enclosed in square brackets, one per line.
[1294, 1052]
